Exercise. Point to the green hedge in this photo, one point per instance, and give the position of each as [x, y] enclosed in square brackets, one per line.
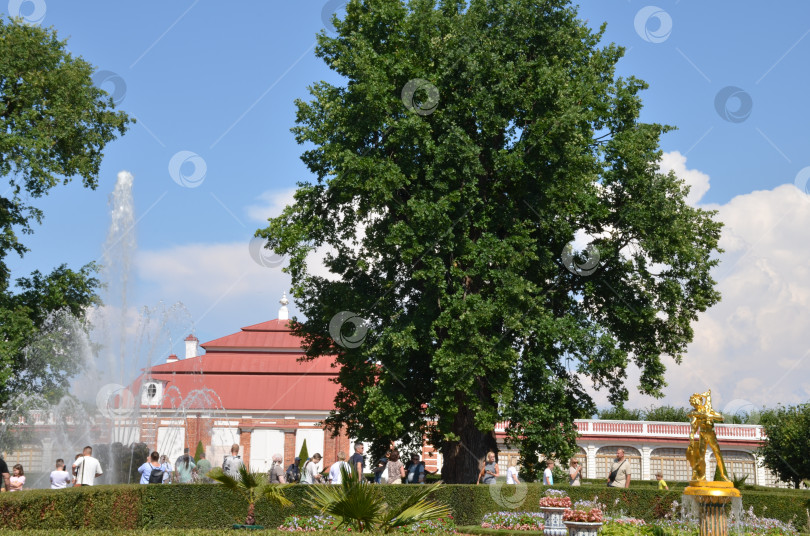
[209, 506]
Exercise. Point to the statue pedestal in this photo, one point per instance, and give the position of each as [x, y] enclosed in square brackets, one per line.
[712, 498]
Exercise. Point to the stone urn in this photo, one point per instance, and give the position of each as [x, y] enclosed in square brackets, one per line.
[583, 528]
[553, 521]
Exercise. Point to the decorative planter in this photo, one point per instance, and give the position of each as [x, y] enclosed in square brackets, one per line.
[553, 521]
[249, 527]
[582, 528]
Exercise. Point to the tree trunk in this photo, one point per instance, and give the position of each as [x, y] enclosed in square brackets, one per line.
[463, 459]
[250, 519]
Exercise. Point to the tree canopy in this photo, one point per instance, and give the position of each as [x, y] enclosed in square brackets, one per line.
[785, 452]
[653, 413]
[54, 125]
[470, 149]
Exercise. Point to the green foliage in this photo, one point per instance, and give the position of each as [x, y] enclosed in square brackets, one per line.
[121, 462]
[620, 413]
[303, 456]
[667, 414]
[165, 532]
[252, 486]
[54, 124]
[362, 507]
[199, 452]
[215, 507]
[467, 208]
[659, 413]
[475, 529]
[786, 452]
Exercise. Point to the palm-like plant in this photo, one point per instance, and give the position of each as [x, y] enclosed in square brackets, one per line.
[253, 487]
[361, 506]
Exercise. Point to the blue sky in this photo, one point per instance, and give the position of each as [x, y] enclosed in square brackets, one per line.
[219, 80]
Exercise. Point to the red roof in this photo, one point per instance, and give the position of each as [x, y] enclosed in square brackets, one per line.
[256, 368]
[267, 335]
[250, 362]
[250, 392]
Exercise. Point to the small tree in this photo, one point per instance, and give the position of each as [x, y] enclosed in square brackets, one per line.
[198, 454]
[253, 487]
[303, 455]
[785, 451]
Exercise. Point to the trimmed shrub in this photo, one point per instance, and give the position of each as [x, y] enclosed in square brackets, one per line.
[210, 506]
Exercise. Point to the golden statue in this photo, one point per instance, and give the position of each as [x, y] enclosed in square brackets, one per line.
[701, 435]
[711, 497]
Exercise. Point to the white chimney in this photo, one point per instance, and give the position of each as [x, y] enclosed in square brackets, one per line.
[171, 359]
[283, 312]
[191, 346]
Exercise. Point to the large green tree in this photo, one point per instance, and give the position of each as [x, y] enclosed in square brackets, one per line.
[54, 125]
[468, 146]
[786, 452]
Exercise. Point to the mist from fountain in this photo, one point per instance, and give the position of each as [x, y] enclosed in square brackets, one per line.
[122, 342]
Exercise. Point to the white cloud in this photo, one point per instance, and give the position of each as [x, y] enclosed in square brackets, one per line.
[754, 345]
[696, 180]
[271, 204]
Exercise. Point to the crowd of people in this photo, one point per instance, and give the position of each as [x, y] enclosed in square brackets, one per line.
[618, 477]
[157, 469]
[388, 470]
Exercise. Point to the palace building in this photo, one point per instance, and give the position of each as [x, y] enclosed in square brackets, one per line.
[249, 388]
[269, 402]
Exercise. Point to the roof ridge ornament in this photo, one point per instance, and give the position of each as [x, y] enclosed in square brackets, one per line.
[283, 312]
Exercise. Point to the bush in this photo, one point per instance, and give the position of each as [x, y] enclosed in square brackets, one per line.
[210, 506]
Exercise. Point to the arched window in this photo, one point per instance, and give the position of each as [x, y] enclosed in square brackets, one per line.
[606, 455]
[671, 463]
[772, 481]
[152, 393]
[738, 464]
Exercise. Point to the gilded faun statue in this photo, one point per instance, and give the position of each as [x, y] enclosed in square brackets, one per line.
[701, 435]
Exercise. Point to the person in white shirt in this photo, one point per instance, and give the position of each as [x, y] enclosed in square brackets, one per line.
[548, 475]
[334, 472]
[311, 474]
[87, 468]
[512, 475]
[60, 478]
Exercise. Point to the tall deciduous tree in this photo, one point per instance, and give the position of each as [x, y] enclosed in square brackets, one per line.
[787, 450]
[54, 125]
[468, 148]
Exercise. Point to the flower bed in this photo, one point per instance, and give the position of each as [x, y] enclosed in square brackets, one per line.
[435, 526]
[319, 523]
[307, 523]
[513, 521]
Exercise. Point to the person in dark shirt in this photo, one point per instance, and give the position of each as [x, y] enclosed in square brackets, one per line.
[415, 470]
[4, 473]
[358, 461]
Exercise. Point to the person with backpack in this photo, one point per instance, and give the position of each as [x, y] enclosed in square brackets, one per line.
[151, 471]
[293, 474]
[232, 463]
